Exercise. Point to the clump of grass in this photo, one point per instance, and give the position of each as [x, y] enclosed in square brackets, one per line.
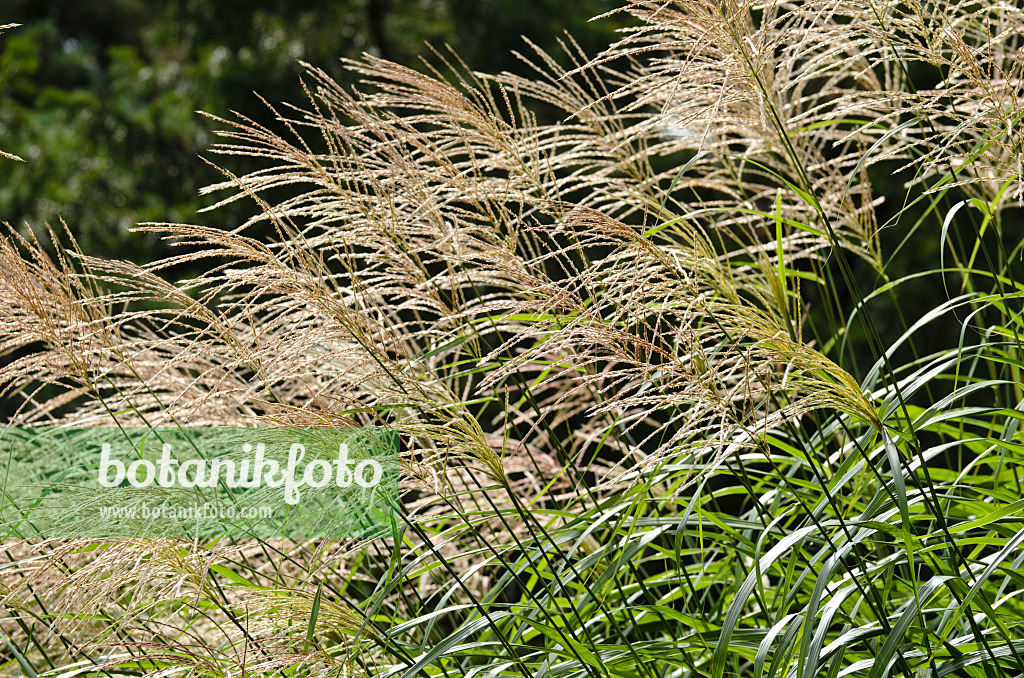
[653, 425]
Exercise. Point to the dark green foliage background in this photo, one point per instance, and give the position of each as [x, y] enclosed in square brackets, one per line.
[100, 98]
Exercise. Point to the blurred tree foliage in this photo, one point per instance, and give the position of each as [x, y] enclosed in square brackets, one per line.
[100, 98]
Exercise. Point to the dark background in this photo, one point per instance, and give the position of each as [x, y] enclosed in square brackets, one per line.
[100, 98]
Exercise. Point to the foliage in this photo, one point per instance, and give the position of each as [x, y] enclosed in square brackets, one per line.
[632, 449]
[102, 96]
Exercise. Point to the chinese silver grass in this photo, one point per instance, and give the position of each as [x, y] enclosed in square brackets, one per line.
[579, 327]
